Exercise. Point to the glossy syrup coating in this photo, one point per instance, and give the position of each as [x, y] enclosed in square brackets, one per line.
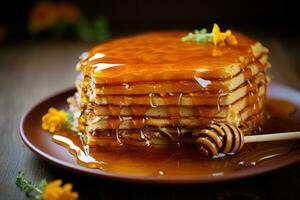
[184, 160]
[159, 65]
[158, 56]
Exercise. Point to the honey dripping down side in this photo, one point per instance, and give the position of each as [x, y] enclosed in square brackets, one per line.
[137, 113]
[161, 161]
[115, 72]
[185, 160]
[121, 66]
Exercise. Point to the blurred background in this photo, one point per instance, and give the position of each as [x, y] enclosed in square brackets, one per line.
[71, 27]
[90, 20]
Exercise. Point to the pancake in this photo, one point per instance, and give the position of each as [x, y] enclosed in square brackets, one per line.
[129, 59]
[106, 122]
[167, 111]
[183, 99]
[154, 135]
[154, 89]
[237, 112]
[165, 87]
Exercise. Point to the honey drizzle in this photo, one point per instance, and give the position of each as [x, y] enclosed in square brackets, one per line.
[126, 60]
[110, 71]
[184, 160]
[174, 112]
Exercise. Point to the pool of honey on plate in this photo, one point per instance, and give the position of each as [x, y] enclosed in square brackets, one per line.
[185, 160]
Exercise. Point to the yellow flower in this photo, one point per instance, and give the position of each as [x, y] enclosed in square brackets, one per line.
[223, 38]
[42, 16]
[55, 191]
[53, 120]
[45, 14]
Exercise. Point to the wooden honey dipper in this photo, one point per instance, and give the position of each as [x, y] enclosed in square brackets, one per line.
[221, 138]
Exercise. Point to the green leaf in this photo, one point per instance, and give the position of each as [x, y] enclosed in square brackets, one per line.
[93, 31]
[32, 191]
[101, 29]
[84, 30]
[42, 184]
[198, 36]
[23, 184]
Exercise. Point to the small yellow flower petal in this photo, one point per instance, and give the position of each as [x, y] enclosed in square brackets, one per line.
[223, 38]
[216, 31]
[67, 187]
[54, 191]
[53, 120]
[231, 40]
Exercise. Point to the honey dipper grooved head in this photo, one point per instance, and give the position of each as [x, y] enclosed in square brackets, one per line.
[219, 138]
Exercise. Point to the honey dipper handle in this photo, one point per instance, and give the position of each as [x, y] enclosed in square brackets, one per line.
[272, 137]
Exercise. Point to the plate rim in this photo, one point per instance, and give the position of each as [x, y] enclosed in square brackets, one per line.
[230, 176]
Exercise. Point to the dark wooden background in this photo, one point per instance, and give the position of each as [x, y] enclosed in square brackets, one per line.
[124, 15]
[31, 70]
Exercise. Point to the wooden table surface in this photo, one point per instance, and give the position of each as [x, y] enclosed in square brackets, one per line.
[29, 71]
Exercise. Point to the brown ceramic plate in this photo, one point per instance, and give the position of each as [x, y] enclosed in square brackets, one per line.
[40, 142]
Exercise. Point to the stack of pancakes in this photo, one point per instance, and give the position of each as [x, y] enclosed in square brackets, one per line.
[154, 89]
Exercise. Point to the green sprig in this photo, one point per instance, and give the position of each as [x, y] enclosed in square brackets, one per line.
[198, 36]
[31, 190]
[95, 30]
[69, 124]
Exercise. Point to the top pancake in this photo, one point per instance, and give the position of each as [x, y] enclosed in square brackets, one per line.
[159, 56]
